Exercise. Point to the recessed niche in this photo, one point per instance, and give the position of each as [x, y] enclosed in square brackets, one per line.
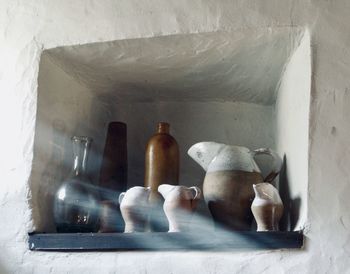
[247, 87]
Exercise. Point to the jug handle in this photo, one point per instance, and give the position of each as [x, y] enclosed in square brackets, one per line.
[276, 162]
[196, 197]
[197, 192]
[121, 197]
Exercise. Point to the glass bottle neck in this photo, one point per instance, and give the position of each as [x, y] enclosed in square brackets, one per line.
[81, 146]
[163, 128]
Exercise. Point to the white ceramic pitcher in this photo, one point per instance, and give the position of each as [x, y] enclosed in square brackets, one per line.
[135, 208]
[267, 207]
[179, 204]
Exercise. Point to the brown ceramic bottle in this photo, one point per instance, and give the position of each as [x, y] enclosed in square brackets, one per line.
[161, 167]
[162, 159]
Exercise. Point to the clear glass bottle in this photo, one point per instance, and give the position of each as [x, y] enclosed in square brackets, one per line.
[76, 207]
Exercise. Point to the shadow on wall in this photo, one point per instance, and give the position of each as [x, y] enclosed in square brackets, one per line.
[291, 205]
[53, 172]
[100, 115]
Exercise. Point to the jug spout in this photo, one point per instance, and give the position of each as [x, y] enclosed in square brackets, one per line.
[267, 192]
[165, 189]
[257, 191]
[204, 152]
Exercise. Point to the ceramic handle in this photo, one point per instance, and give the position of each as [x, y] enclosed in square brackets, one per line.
[121, 197]
[276, 162]
[196, 197]
[197, 191]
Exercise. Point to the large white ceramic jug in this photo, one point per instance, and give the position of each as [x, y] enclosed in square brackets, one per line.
[231, 172]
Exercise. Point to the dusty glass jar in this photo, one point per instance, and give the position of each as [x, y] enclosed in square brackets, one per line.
[76, 203]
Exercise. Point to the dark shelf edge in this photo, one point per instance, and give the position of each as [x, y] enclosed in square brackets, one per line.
[165, 241]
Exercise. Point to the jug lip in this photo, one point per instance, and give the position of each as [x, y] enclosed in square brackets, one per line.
[240, 147]
[233, 157]
[228, 145]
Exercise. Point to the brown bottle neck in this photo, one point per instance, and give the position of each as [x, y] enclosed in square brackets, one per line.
[163, 128]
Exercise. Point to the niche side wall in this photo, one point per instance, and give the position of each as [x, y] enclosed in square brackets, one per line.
[65, 108]
[292, 133]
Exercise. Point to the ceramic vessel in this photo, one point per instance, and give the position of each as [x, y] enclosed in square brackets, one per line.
[162, 159]
[76, 203]
[179, 204]
[230, 173]
[113, 176]
[114, 166]
[161, 167]
[267, 207]
[135, 209]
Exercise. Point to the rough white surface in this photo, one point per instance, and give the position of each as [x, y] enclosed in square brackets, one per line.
[292, 132]
[244, 65]
[26, 27]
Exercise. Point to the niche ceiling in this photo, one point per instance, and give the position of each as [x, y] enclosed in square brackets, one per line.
[244, 65]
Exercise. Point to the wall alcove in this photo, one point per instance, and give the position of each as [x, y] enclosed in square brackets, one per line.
[247, 87]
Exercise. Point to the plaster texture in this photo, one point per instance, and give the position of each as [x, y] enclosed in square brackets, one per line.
[292, 134]
[244, 65]
[29, 27]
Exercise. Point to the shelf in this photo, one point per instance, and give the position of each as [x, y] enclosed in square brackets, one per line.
[165, 241]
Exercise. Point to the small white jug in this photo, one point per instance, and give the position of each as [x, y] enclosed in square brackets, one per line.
[267, 207]
[179, 204]
[135, 209]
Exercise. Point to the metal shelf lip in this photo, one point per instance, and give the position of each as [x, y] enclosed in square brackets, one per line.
[227, 240]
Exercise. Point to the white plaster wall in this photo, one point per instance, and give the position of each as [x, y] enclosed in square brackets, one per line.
[292, 133]
[26, 27]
